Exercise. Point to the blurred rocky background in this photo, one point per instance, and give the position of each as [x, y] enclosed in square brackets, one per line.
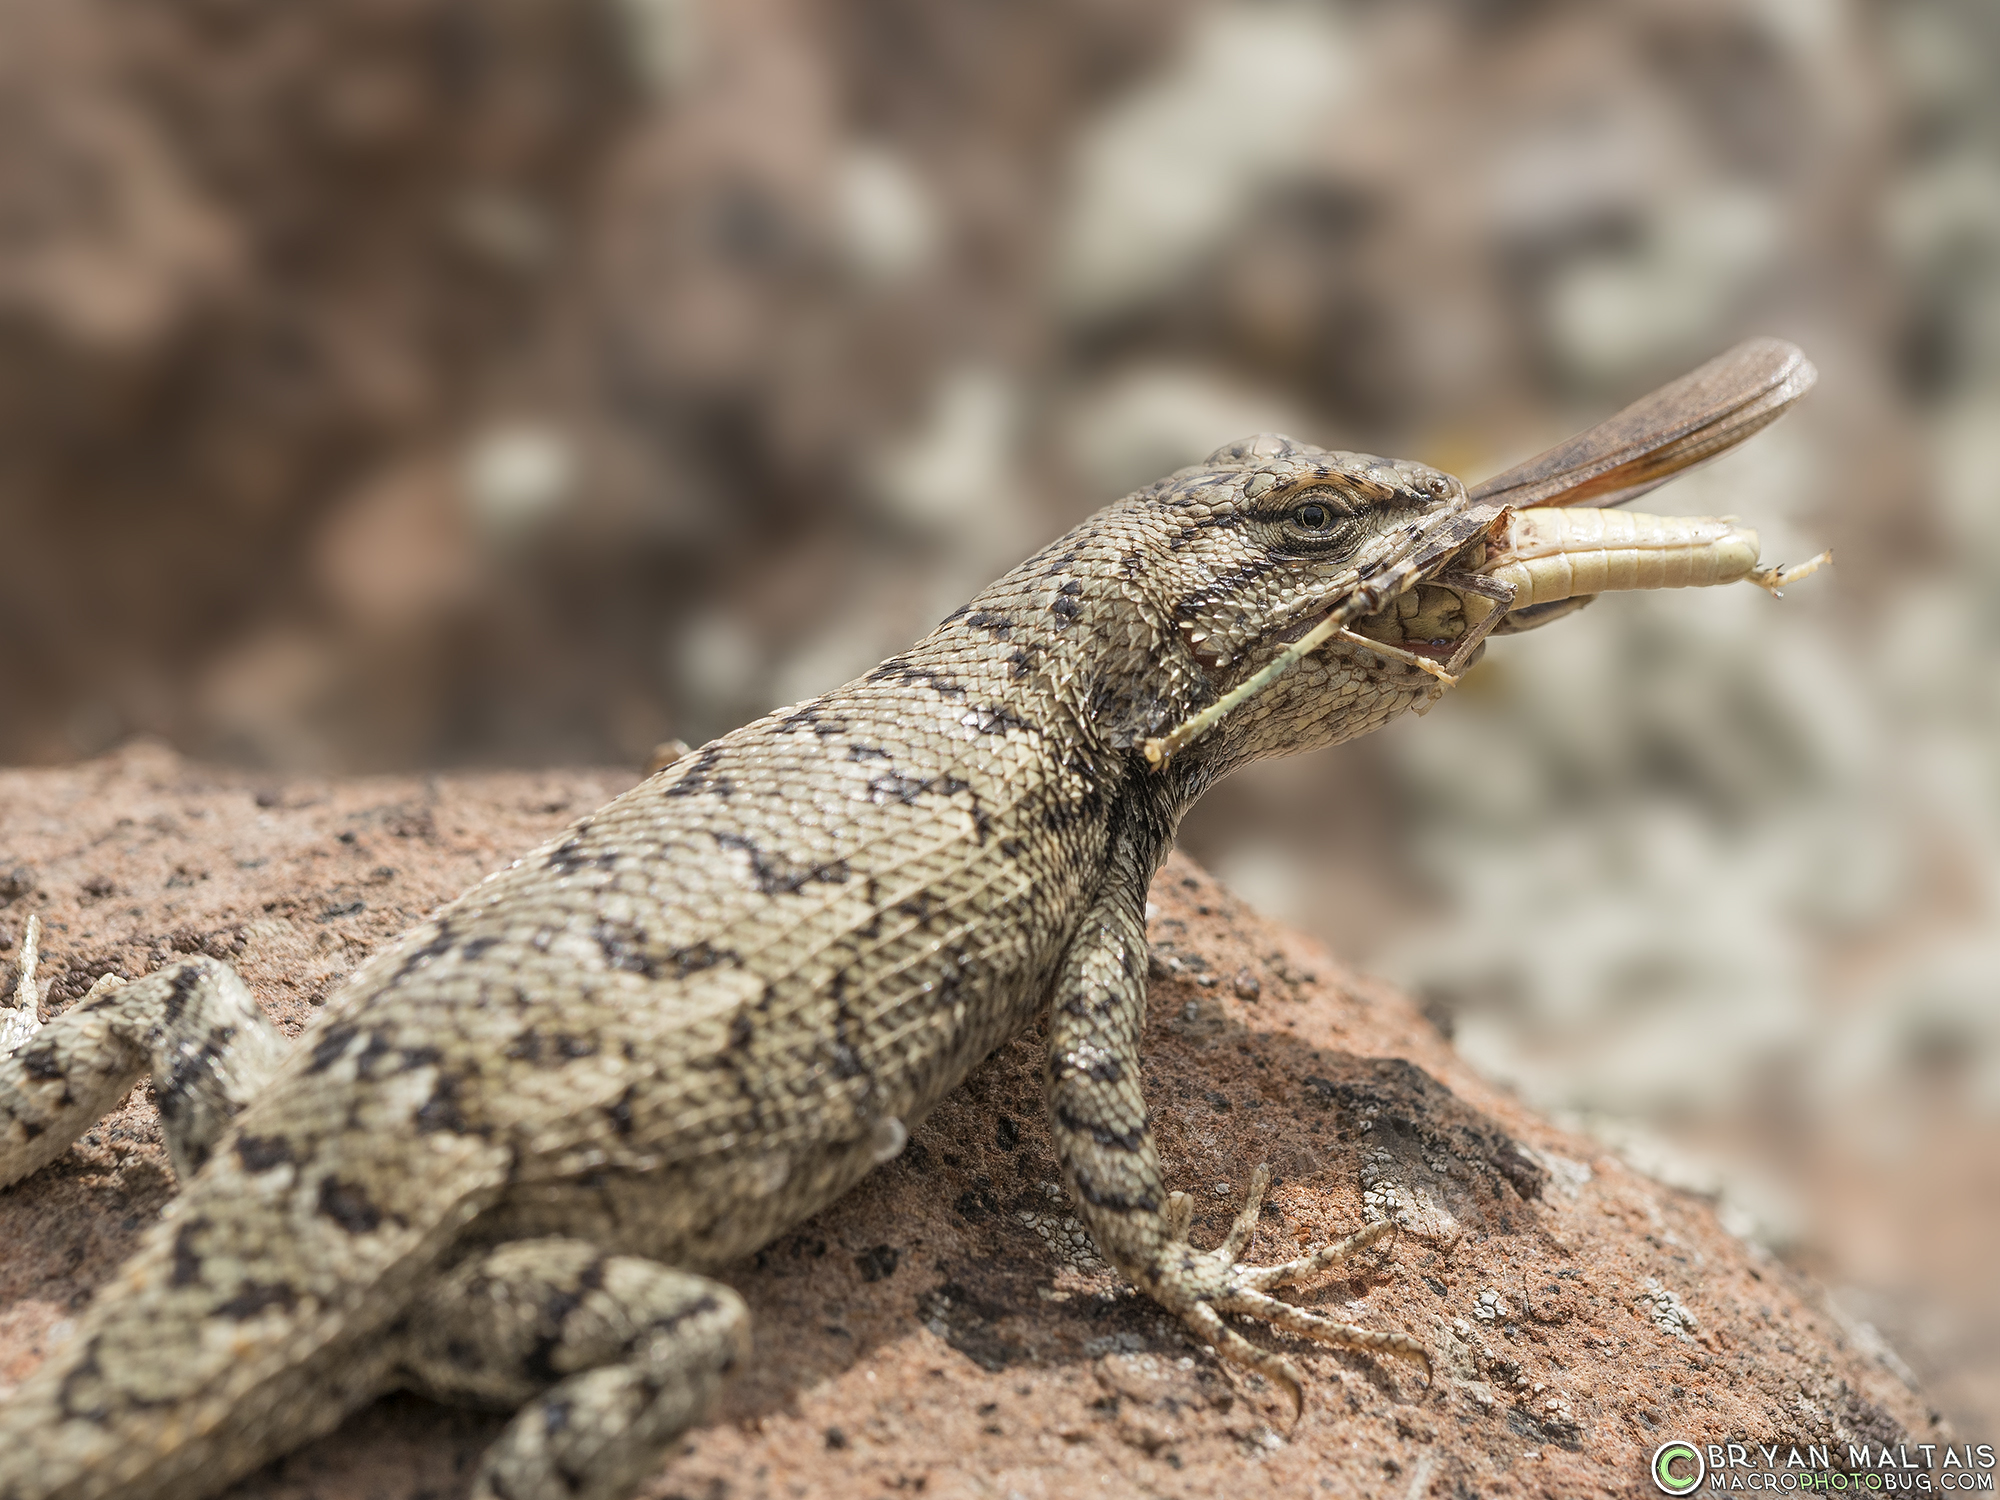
[401, 383]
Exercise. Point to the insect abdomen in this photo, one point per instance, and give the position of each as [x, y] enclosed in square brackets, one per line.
[1552, 554]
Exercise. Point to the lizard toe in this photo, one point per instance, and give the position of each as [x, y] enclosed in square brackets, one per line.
[1215, 1282]
[1287, 1273]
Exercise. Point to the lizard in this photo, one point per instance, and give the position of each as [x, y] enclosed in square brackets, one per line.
[504, 1165]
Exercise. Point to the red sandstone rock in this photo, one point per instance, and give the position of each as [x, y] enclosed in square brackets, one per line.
[942, 1330]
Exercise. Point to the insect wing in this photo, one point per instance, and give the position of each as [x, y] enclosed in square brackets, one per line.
[1684, 423]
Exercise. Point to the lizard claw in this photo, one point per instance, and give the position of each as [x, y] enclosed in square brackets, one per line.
[1180, 1213]
[1242, 1291]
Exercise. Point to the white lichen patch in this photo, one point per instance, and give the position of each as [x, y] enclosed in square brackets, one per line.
[1066, 1238]
[1566, 1176]
[1385, 1195]
[1668, 1313]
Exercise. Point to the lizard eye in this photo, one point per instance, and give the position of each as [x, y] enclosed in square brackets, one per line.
[1312, 516]
[1437, 486]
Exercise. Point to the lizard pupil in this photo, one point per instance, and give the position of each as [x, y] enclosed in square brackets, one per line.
[1313, 516]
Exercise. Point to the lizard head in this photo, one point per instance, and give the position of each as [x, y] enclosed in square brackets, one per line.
[1247, 555]
[1295, 596]
[1268, 552]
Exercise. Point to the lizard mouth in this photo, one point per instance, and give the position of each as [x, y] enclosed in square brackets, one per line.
[1428, 620]
[1439, 650]
[1442, 613]
[1389, 628]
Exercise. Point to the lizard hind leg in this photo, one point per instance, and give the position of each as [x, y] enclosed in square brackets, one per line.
[193, 1023]
[609, 1359]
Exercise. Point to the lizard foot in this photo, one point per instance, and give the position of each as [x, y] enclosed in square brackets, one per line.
[1228, 1287]
[607, 1358]
[207, 1043]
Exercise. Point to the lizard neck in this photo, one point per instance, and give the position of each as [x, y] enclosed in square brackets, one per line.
[1075, 645]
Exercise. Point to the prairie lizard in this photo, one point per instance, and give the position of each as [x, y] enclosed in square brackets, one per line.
[502, 1166]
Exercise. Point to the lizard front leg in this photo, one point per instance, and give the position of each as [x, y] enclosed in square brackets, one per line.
[1105, 1144]
[193, 1023]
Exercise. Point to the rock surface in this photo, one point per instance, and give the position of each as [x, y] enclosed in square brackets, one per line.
[946, 1330]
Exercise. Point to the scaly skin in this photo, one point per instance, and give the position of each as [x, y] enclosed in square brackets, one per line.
[701, 1014]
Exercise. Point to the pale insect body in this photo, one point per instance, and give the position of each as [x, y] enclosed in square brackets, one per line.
[1550, 555]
